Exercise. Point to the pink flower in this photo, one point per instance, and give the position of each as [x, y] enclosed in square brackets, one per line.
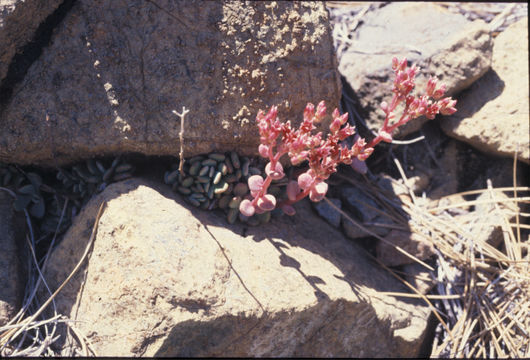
[321, 111]
[415, 106]
[324, 155]
[447, 106]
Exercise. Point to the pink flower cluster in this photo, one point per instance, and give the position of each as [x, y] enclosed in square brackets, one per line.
[415, 106]
[323, 156]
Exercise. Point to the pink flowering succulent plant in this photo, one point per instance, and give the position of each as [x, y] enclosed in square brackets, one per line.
[323, 156]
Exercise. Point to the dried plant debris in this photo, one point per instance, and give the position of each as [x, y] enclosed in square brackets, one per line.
[486, 286]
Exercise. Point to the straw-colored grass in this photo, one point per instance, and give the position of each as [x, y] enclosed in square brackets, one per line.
[483, 299]
[25, 334]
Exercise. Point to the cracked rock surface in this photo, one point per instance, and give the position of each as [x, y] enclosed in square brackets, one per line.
[115, 71]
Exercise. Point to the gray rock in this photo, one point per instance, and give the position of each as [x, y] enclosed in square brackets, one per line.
[115, 71]
[18, 21]
[165, 279]
[493, 113]
[364, 210]
[327, 212]
[442, 44]
[11, 278]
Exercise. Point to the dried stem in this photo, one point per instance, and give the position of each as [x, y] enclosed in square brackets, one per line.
[181, 135]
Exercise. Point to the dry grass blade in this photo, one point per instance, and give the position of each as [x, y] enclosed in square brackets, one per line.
[483, 291]
[494, 321]
[11, 332]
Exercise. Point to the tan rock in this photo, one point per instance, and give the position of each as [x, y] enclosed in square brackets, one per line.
[115, 71]
[493, 115]
[166, 280]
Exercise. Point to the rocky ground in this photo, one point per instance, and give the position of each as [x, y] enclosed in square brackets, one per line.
[431, 244]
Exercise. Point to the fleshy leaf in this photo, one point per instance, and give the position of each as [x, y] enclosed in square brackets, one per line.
[288, 209]
[255, 183]
[267, 202]
[37, 210]
[21, 202]
[246, 208]
[275, 174]
[305, 181]
[318, 191]
[292, 190]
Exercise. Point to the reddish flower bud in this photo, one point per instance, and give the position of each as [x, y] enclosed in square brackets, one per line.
[358, 146]
[395, 63]
[365, 154]
[447, 106]
[431, 86]
[346, 132]
[432, 110]
[321, 111]
[263, 150]
[309, 112]
[384, 107]
[438, 93]
[335, 125]
[298, 158]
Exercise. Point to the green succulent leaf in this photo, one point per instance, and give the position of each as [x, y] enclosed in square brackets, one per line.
[37, 210]
[35, 180]
[27, 189]
[21, 202]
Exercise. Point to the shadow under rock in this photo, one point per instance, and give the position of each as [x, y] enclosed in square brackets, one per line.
[307, 232]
